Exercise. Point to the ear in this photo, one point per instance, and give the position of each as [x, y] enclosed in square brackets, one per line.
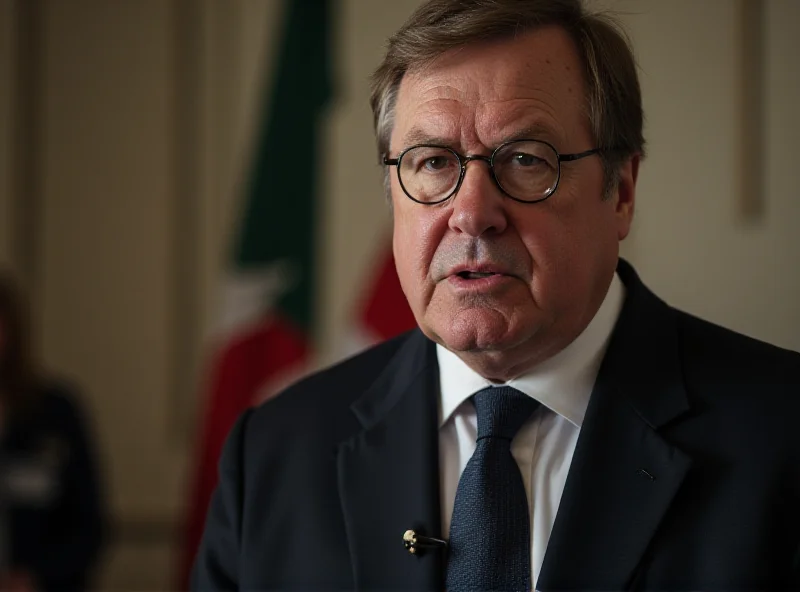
[626, 195]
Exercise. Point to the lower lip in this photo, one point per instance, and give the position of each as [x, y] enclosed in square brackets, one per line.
[484, 283]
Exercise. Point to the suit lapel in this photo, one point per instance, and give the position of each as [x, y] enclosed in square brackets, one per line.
[623, 475]
[389, 474]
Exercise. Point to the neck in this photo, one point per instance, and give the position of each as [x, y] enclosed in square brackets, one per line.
[501, 366]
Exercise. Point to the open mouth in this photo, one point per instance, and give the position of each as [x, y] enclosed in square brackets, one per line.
[475, 275]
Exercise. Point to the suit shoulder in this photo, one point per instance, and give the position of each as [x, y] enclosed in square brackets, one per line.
[324, 397]
[749, 390]
[726, 356]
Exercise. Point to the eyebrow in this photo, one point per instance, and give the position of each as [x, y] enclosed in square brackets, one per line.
[417, 135]
[533, 131]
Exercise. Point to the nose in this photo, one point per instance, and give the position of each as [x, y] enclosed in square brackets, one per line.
[478, 206]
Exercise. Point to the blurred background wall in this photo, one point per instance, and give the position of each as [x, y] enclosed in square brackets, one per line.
[125, 128]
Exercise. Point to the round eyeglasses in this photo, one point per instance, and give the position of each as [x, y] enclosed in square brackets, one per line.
[524, 170]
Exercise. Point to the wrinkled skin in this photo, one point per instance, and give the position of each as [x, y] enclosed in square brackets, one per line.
[552, 261]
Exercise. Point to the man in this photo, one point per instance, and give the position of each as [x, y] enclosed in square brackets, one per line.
[552, 423]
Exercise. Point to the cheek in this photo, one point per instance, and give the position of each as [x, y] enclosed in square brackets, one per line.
[403, 262]
[417, 234]
[564, 241]
[546, 233]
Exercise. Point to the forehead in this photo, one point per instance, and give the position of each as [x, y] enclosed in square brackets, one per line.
[486, 93]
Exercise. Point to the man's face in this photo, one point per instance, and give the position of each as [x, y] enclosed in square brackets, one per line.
[552, 261]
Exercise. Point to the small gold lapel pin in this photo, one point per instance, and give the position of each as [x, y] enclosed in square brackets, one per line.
[416, 543]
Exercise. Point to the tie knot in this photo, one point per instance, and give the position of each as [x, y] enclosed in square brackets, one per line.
[502, 411]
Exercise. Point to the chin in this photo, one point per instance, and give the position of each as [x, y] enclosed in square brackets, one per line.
[482, 330]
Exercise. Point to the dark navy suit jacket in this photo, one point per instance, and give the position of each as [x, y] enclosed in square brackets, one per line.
[686, 474]
[51, 502]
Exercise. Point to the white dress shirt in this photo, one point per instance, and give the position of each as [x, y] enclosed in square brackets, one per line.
[544, 446]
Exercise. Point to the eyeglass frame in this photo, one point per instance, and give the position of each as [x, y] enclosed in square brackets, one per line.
[463, 160]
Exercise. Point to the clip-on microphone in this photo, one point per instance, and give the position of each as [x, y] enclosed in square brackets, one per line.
[417, 544]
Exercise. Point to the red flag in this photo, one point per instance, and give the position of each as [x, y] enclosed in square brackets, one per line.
[385, 312]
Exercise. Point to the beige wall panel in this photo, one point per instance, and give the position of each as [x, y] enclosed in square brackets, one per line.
[689, 240]
[779, 300]
[140, 567]
[106, 246]
[7, 90]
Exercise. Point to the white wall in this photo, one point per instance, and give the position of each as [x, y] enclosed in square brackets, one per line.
[690, 241]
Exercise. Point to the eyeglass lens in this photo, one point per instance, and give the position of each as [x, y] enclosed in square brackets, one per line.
[526, 170]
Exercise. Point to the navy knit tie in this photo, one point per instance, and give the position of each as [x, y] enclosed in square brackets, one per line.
[490, 542]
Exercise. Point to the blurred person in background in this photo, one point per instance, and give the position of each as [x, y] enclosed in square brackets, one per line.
[552, 424]
[51, 509]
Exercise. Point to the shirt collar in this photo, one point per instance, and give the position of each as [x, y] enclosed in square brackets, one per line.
[562, 383]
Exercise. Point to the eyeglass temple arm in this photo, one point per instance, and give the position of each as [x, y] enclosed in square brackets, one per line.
[578, 155]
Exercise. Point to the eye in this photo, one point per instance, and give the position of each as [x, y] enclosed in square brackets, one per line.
[436, 163]
[524, 159]
[432, 161]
